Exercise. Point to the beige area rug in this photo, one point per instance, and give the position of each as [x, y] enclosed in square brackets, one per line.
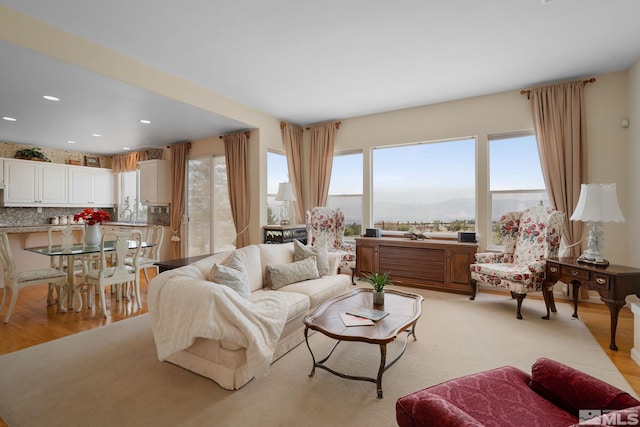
[111, 376]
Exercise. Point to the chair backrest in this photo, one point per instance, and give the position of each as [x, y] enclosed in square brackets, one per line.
[63, 235]
[66, 233]
[155, 235]
[325, 225]
[533, 234]
[117, 272]
[6, 258]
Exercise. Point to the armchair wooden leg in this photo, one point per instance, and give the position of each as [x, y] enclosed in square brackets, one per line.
[519, 298]
[353, 273]
[473, 283]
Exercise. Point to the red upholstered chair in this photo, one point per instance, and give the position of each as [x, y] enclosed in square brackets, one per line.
[553, 395]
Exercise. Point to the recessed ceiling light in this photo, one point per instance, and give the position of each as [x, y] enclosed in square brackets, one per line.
[9, 119]
[95, 134]
[126, 148]
[146, 122]
[70, 142]
[51, 98]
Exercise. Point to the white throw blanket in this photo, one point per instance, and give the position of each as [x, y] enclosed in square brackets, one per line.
[183, 307]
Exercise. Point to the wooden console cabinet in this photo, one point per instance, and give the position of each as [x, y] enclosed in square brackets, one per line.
[431, 263]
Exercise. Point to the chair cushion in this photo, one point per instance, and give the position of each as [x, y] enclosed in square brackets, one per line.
[43, 274]
[516, 277]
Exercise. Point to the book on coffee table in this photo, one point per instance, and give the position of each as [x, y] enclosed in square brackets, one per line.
[350, 320]
[368, 313]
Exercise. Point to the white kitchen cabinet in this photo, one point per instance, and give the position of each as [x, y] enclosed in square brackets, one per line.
[155, 182]
[91, 187]
[30, 183]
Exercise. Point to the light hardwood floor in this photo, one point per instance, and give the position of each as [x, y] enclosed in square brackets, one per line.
[33, 323]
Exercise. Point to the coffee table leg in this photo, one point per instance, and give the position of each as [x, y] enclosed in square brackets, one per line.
[383, 362]
[313, 359]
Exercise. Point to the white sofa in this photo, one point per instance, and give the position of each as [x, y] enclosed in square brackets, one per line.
[223, 360]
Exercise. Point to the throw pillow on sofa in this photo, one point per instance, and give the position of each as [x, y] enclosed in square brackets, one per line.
[301, 252]
[285, 274]
[233, 274]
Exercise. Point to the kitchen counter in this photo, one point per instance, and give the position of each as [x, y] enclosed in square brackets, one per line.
[43, 228]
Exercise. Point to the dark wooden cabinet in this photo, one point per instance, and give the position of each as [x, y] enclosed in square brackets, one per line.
[431, 263]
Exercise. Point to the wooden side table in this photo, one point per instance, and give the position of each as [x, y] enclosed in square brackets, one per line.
[613, 283]
[285, 233]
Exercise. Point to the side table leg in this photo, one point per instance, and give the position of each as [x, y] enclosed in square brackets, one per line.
[576, 291]
[383, 362]
[614, 309]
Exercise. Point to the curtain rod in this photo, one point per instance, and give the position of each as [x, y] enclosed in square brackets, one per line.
[528, 91]
[247, 133]
[188, 144]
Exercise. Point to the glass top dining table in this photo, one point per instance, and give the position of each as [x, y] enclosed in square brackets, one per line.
[81, 249]
[70, 251]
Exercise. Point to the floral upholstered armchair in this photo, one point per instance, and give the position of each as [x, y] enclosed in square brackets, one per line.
[326, 226]
[529, 238]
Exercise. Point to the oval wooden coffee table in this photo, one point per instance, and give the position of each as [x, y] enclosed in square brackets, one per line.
[404, 310]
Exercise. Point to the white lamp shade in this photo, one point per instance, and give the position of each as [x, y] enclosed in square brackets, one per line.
[598, 203]
[285, 192]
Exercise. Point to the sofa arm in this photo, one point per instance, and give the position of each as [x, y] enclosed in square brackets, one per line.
[431, 410]
[573, 390]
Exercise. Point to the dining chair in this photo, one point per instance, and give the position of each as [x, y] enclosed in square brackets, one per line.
[15, 280]
[63, 235]
[150, 255]
[116, 272]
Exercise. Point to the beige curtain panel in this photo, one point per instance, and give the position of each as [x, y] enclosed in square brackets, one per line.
[561, 131]
[179, 153]
[322, 140]
[236, 154]
[127, 162]
[292, 137]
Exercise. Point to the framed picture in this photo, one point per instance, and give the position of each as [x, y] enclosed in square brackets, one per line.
[92, 161]
[155, 154]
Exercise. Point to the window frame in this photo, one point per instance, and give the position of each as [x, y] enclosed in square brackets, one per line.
[490, 246]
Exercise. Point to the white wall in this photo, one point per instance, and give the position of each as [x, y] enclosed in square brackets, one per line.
[606, 104]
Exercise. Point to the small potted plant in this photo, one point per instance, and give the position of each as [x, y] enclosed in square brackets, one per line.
[378, 281]
[31, 154]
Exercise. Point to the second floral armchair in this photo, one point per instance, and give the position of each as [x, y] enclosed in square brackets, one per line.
[326, 226]
[529, 237]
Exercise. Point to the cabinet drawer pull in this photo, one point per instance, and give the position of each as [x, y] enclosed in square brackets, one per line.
[574, 272]
[553, 269]
[600, 281]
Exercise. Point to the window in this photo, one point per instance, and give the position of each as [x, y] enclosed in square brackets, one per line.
[345, 191]
[515, 178]
[130, 207]
[277, 172]
[210, 227]
[426, 187]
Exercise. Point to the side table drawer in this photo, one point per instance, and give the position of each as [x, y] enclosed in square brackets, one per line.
[574, 273]
[601, 281]
[553, 271]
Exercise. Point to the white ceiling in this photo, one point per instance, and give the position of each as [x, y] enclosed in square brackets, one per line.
[302, 61]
